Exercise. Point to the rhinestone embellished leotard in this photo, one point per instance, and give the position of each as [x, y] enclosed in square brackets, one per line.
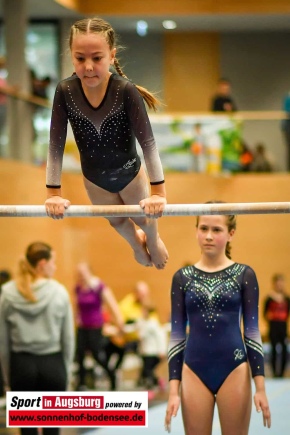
[105, 135]
[213, 305]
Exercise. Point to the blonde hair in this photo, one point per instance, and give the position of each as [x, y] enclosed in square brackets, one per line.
[98, 25]
[26, 268]
[231, 223]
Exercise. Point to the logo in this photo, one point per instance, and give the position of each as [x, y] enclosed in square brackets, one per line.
[239, 354]
[129, 164]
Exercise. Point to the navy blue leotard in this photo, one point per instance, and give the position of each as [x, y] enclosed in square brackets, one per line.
[213, 305]
[105, 135]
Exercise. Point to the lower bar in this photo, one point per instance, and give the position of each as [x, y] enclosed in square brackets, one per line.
[135, 210]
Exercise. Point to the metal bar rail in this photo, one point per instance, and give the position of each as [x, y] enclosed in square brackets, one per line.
[136, 210]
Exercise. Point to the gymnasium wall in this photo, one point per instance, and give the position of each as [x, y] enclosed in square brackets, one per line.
[123, 7]
[261, 240]
[257, 63]
[183, 69]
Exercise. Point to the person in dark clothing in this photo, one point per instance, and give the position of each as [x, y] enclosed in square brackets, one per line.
[223, 101]
[277, 312]
[5, 276]
[261, 162]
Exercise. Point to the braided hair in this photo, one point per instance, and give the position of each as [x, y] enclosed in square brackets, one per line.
[98, 25]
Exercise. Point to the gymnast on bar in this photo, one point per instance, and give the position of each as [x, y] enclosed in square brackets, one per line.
[107, 112]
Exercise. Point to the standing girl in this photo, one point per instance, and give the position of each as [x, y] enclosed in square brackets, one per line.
[107, 112]
[212, 365]
[36, 328]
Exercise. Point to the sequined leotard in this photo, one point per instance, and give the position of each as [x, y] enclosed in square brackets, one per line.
[105, 135]
[214, 304]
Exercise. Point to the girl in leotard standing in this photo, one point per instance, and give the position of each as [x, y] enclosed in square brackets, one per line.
[213, 364]
[107, 112]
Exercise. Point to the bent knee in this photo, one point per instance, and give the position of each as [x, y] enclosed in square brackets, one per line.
[117, 222]
[141, 221]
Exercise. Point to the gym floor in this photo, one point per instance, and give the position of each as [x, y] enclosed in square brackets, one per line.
[278, 391]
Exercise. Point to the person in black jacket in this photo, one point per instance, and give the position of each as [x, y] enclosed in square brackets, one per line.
[223, 101]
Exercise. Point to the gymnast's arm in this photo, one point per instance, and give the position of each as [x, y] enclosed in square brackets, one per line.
[253, 342]
[135, 107]
[176, 346]
[55, 204]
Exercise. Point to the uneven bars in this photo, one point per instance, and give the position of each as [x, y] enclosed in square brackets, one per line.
[135, 210]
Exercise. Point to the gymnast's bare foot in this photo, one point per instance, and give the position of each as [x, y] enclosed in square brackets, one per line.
[158, 253]
[140, 251]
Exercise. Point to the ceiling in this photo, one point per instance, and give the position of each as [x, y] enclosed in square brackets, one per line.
[49, 9]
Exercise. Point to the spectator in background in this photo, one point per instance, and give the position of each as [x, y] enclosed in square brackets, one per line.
[91, 294]
[131, 307]
[39, 89]
[261, 161]
[286, 126]
[36, 328]
[40, 86]
[276, 313]
[5, 276]
[152, 346]
[246, 157]
[114, 343]
[223, 100]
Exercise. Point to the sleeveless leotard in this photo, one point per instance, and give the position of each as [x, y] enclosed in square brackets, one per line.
[212, 306]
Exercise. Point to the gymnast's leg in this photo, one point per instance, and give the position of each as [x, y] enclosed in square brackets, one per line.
[124, 226]
[137, 190]
[147, 246]
[197, 404]
[234, 402]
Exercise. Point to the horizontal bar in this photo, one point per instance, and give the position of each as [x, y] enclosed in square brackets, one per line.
[136, 210]
[24, 96]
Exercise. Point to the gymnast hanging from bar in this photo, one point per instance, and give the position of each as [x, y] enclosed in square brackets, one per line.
[107, 112]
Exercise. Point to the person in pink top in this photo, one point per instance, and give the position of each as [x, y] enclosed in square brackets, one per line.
[91, 293]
